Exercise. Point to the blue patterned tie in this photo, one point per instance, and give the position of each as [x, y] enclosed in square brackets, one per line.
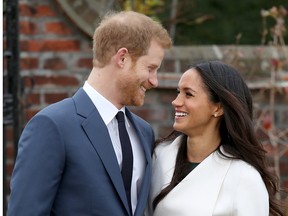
[127, 155]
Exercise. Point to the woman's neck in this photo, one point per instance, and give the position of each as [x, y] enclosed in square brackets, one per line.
[198, 148]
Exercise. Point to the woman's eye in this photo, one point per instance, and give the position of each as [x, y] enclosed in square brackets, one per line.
[189, 94]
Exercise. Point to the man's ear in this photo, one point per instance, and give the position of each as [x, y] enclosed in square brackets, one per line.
[218, 111]
[121, 56]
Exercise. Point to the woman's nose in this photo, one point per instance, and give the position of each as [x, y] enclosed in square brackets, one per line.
[176, 102]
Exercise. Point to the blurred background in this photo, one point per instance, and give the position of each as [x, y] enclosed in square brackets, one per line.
[47, 56]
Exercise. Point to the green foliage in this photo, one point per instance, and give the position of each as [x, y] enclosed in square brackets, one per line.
[219, 21]
[148, 7]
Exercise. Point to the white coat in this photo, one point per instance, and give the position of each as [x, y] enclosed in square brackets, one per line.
[217, 186]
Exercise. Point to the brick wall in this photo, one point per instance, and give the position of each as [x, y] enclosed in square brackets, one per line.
[56, 58]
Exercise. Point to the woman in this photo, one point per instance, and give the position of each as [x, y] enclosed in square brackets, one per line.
[212, 164]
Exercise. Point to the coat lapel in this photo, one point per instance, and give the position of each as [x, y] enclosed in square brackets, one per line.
[98, 135]
[206, 182]
[201, 186]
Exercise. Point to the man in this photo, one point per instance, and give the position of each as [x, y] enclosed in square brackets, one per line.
[70, 159]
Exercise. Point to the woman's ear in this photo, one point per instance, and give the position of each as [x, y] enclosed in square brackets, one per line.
[218, 111]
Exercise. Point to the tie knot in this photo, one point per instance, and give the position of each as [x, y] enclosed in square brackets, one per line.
[120, 116]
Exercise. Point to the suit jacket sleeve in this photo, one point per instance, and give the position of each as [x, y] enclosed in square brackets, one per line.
[38, 168]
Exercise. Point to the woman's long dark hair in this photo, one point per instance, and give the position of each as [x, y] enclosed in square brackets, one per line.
[238, 137]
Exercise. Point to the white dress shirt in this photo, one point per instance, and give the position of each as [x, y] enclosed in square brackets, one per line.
[108, 112]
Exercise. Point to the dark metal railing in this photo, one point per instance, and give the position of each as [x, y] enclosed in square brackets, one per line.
[11, 82]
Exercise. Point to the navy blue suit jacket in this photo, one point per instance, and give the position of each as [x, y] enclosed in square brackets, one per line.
[66, 164]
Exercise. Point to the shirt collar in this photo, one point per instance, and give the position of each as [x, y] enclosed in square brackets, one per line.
[106, 109]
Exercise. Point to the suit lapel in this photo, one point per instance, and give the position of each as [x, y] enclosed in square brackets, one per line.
[143, 140]
[99, 137]
[143, 194]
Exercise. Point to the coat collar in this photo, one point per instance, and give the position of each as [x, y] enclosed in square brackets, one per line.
[202, 185]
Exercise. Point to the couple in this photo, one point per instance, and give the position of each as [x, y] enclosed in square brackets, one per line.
[70, 158]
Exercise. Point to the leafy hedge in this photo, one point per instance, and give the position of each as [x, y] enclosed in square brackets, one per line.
[219, 21]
